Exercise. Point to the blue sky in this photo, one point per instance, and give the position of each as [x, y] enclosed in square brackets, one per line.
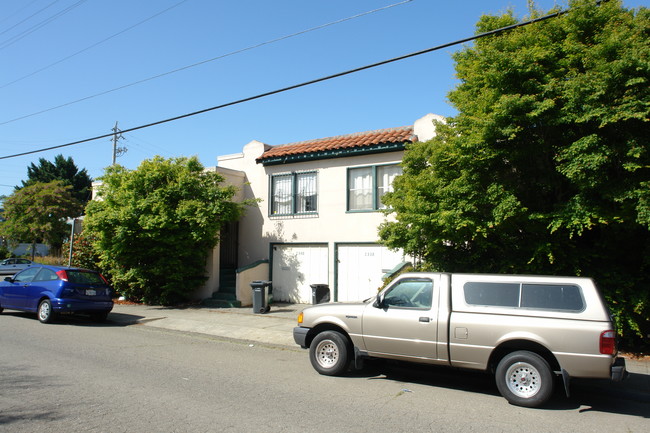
[55, 52]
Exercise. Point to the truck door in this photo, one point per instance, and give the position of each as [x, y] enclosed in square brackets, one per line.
[404, 321]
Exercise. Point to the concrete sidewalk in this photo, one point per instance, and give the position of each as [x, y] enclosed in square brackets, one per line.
[273, 328]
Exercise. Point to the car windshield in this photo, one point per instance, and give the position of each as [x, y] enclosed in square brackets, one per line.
[84, 277]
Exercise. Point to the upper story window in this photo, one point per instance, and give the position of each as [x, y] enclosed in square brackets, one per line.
[294, 193]
[367, 186]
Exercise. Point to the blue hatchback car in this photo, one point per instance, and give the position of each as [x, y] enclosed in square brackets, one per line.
[52, 290]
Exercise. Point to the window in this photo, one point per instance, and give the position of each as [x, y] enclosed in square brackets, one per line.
[83, 277]
[410, 294]
[385, 176]
[46, 275]
[551, 297]
[496, 294]
[367, 186]
[563, 297]
[294, 193]
[26, 276]
[360, 188]
[305, 192]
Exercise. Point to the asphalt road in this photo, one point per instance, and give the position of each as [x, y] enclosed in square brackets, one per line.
[76, 376]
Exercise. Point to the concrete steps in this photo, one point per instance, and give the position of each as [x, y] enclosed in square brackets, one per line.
[226, 296]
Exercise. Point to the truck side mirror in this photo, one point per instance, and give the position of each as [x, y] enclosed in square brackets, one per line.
[379, 302]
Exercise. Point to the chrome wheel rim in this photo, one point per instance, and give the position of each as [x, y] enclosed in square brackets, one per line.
[523, 380]
[44, 311]
[327, 354]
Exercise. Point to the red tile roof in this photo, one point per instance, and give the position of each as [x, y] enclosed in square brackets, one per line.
[357, 140]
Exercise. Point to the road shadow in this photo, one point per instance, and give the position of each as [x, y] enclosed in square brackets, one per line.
[630, 397]
[15, 380]
[114, 319]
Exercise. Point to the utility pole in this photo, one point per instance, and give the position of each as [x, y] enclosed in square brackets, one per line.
[117, 151]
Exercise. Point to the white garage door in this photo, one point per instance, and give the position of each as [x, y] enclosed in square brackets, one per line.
[360, 268]
[295, 268]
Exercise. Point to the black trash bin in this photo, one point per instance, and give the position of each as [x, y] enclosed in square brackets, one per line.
[320, 293]
[261, 296]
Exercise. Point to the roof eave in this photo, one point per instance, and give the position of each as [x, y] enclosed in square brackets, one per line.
[332, 153]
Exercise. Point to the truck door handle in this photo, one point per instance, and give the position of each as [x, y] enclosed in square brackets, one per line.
[425, 319]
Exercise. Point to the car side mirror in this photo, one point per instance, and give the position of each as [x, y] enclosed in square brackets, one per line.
[10, 279]
[379, 302]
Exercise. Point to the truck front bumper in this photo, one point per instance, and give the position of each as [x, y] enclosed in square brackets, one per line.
[300, 336]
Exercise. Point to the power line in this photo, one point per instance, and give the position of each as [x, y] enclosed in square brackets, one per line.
[43, 23]
[93, 45]
[306, 83]
[199, 63]
[18, 12]
[29, 17]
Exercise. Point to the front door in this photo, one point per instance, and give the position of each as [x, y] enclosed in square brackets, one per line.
[406, 323]
[16, 292]
[228, 245]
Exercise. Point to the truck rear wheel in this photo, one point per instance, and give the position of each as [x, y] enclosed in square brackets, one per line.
[329, 353]
[524, 379]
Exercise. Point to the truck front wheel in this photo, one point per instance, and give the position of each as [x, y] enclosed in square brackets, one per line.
[524, 379]
[329, 353]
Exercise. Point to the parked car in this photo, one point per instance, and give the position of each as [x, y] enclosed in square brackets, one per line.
[11, 266]
[526, 330]
[52, 290]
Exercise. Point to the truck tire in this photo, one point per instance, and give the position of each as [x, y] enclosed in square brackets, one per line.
[329, 353]
[524, 379]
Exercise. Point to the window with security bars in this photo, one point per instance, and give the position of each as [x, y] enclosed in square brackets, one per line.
[294, 193]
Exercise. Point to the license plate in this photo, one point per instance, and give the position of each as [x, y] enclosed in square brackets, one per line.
[91, 292]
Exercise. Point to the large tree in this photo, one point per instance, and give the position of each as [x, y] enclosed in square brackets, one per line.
[39, 212]
[546, 168]
[63, 169]
[154, 226]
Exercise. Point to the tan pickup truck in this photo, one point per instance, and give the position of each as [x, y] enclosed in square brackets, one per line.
[525, 329]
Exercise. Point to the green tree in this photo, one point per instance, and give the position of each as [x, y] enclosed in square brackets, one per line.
[546, 168]
[63, 169]
[39, 212]
[155, 226]
[83, 253]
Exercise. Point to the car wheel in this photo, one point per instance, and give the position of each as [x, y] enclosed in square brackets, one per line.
[524, 379]
[45, 313]
[329, 353]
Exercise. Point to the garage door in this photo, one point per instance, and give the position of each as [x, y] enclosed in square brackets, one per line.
[360, 270]
[295, 268]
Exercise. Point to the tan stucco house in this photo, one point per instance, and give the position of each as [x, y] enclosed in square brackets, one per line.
[320, 206]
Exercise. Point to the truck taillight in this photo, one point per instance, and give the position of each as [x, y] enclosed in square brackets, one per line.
[608, 342]
[62, 274]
